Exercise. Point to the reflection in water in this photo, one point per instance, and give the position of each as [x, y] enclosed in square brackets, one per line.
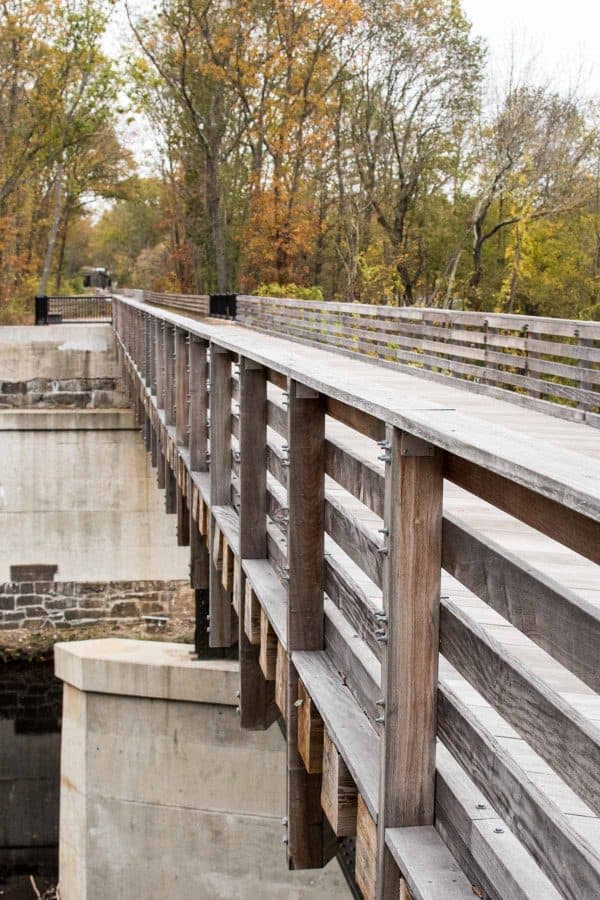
[30, 709]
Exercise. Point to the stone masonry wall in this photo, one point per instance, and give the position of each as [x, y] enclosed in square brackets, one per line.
[63, 604]
[65, 393]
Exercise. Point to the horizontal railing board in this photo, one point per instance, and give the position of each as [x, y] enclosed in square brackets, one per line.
[555, 618]
[572, 865]
[430, 870]
[568, 741]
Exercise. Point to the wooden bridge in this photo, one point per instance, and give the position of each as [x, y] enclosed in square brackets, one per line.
[409, 567]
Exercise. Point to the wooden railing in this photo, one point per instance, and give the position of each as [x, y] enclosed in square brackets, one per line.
[555, 360]
[191, 303]
[328, 561]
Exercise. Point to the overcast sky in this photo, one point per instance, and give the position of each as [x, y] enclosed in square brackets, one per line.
[563, 37]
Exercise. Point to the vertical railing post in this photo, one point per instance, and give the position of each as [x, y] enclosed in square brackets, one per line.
[257, 695]
[198, 405]
[223, 632]
[410, 633]
[308, 833]
[169, 375]
[182, 387]
[160, 364]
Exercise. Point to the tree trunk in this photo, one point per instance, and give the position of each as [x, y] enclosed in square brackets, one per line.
[217, 224]
[56, 210]
[61, 251]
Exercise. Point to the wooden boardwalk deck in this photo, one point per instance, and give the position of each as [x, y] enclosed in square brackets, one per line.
[551, 458]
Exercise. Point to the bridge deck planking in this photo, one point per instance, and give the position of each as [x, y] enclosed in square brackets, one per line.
[567, 567]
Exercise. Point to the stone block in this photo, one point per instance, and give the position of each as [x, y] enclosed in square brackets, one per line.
[7, 602]
[91, 603]
[125, 609]
[27, 599]
[74, 615]
[35, 612]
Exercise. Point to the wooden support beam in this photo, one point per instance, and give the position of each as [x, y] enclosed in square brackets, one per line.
[251, 615]
[268, 648]
[366, 853]
[199, 560]
[339, 796]
[411, 597]
[198, 405]
[310, 840]
[161, 466]
[183, 519]
[170, 489]
[182, 387]
[227, 571]
[223, 622]
[310, 732]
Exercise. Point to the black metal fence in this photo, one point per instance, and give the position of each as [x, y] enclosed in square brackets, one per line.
[54, 310]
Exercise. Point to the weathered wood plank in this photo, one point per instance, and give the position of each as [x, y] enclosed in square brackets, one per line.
[562, 736]
[169, 339]
[347, 725]
[198, 405]
[557, 619]
[310, 732]
[309, 842]
[429, 868]
[572, 865]
[268, 648]
[251, 615]
[569, 527]
[182, 387]
[223, 629]
[339, 797]
[413, 517]
[366, 851]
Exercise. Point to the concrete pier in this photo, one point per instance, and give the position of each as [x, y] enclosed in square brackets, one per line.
[162, 794]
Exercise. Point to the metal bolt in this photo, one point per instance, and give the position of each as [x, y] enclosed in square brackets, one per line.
[380, 720]
[284, 821]
[238, 710]
[499, 830]
[481, 806]
[237, 694]
[385, 531]
[380, 702]
[381, 616]
[381, 638]
[385, 445]
[284, 839]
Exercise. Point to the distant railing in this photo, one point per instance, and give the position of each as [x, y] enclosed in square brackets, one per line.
[198, 304]
[56, 310]
[546, 359]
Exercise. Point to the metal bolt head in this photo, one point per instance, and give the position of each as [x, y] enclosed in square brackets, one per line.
[498, 830]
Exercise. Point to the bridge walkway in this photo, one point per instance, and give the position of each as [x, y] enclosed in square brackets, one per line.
[519, 558]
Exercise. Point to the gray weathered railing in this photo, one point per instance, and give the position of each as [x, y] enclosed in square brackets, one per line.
[535, 357]
[362, 608]
[192, 303]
